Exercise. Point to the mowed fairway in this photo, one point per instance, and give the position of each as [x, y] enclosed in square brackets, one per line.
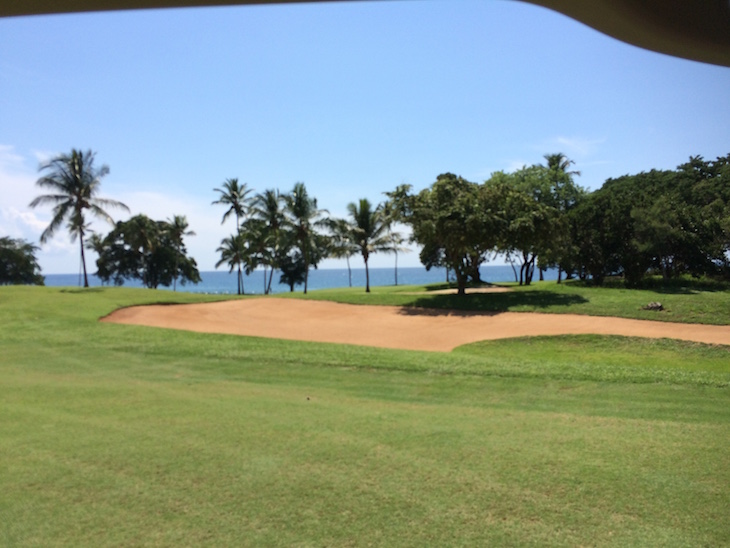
[126, 435]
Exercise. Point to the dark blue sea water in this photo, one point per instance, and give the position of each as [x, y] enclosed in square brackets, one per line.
[223, 282]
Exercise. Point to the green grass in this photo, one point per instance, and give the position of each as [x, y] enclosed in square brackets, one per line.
[123, 435]
[692, 303]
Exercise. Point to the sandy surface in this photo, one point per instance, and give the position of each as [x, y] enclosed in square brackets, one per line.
[392, 327]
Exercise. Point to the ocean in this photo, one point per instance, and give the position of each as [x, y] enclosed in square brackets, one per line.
[221, 282]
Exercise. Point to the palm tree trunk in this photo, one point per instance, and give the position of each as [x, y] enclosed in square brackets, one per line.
[83, 259]
[174, 280]
[367, 277]
[396, 267]
[349, 271]
[306, 268]
[240, 280]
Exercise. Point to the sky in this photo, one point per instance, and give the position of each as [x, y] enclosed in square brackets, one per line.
[352, 99]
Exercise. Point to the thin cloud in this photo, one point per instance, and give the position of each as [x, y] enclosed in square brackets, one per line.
[574, 147]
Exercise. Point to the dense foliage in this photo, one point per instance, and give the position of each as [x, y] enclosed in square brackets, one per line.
[667, 222]
[152, 252]
[18, 263]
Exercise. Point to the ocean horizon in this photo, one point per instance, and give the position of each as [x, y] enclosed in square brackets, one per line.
[222, 282]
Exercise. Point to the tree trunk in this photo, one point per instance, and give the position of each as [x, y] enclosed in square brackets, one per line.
[367, 277]
[560, 274]
[396, 267]
[83, 259]
[514, 270]
[460, 283]
[271, 277]
[349, 270]
[306, 269]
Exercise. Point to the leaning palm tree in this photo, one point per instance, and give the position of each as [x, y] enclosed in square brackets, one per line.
[304, 217]
[177, 228]
[369, 231]
[235, 197]
[74, 182]
[233, 253]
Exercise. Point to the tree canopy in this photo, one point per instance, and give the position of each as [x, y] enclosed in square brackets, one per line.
[152, 252]
[18, 263]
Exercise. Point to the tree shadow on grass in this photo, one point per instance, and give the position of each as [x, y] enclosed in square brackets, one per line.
[83, 290]
[491, 302]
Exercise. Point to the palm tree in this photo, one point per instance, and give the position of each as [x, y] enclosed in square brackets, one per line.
[268, 208]
[342, 245]
[74, 182]
[560, 162]
[368, 228]
[391, 215]
[235, 196]
[233, 253]
[304, 217]
[178, 228]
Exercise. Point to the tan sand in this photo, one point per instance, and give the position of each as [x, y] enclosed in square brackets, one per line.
[393, 327]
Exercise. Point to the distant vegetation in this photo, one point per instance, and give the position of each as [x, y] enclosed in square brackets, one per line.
[669, 223]
[289, 234]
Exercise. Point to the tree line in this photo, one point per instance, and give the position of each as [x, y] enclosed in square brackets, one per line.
[287, 233]
[668, 222]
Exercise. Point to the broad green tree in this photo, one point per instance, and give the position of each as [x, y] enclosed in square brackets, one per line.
[73, 181]
[18, 263]
[529, 221]
[452, 226]
[143, 249]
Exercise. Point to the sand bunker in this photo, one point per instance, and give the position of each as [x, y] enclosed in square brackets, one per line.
[393, 327]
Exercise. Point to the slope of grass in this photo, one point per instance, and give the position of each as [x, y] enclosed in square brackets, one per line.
[123, 435]
[691, 304]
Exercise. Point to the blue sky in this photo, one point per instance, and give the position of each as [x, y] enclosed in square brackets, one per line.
[352, 99]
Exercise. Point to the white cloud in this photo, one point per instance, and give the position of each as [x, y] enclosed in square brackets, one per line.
[17, 191]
